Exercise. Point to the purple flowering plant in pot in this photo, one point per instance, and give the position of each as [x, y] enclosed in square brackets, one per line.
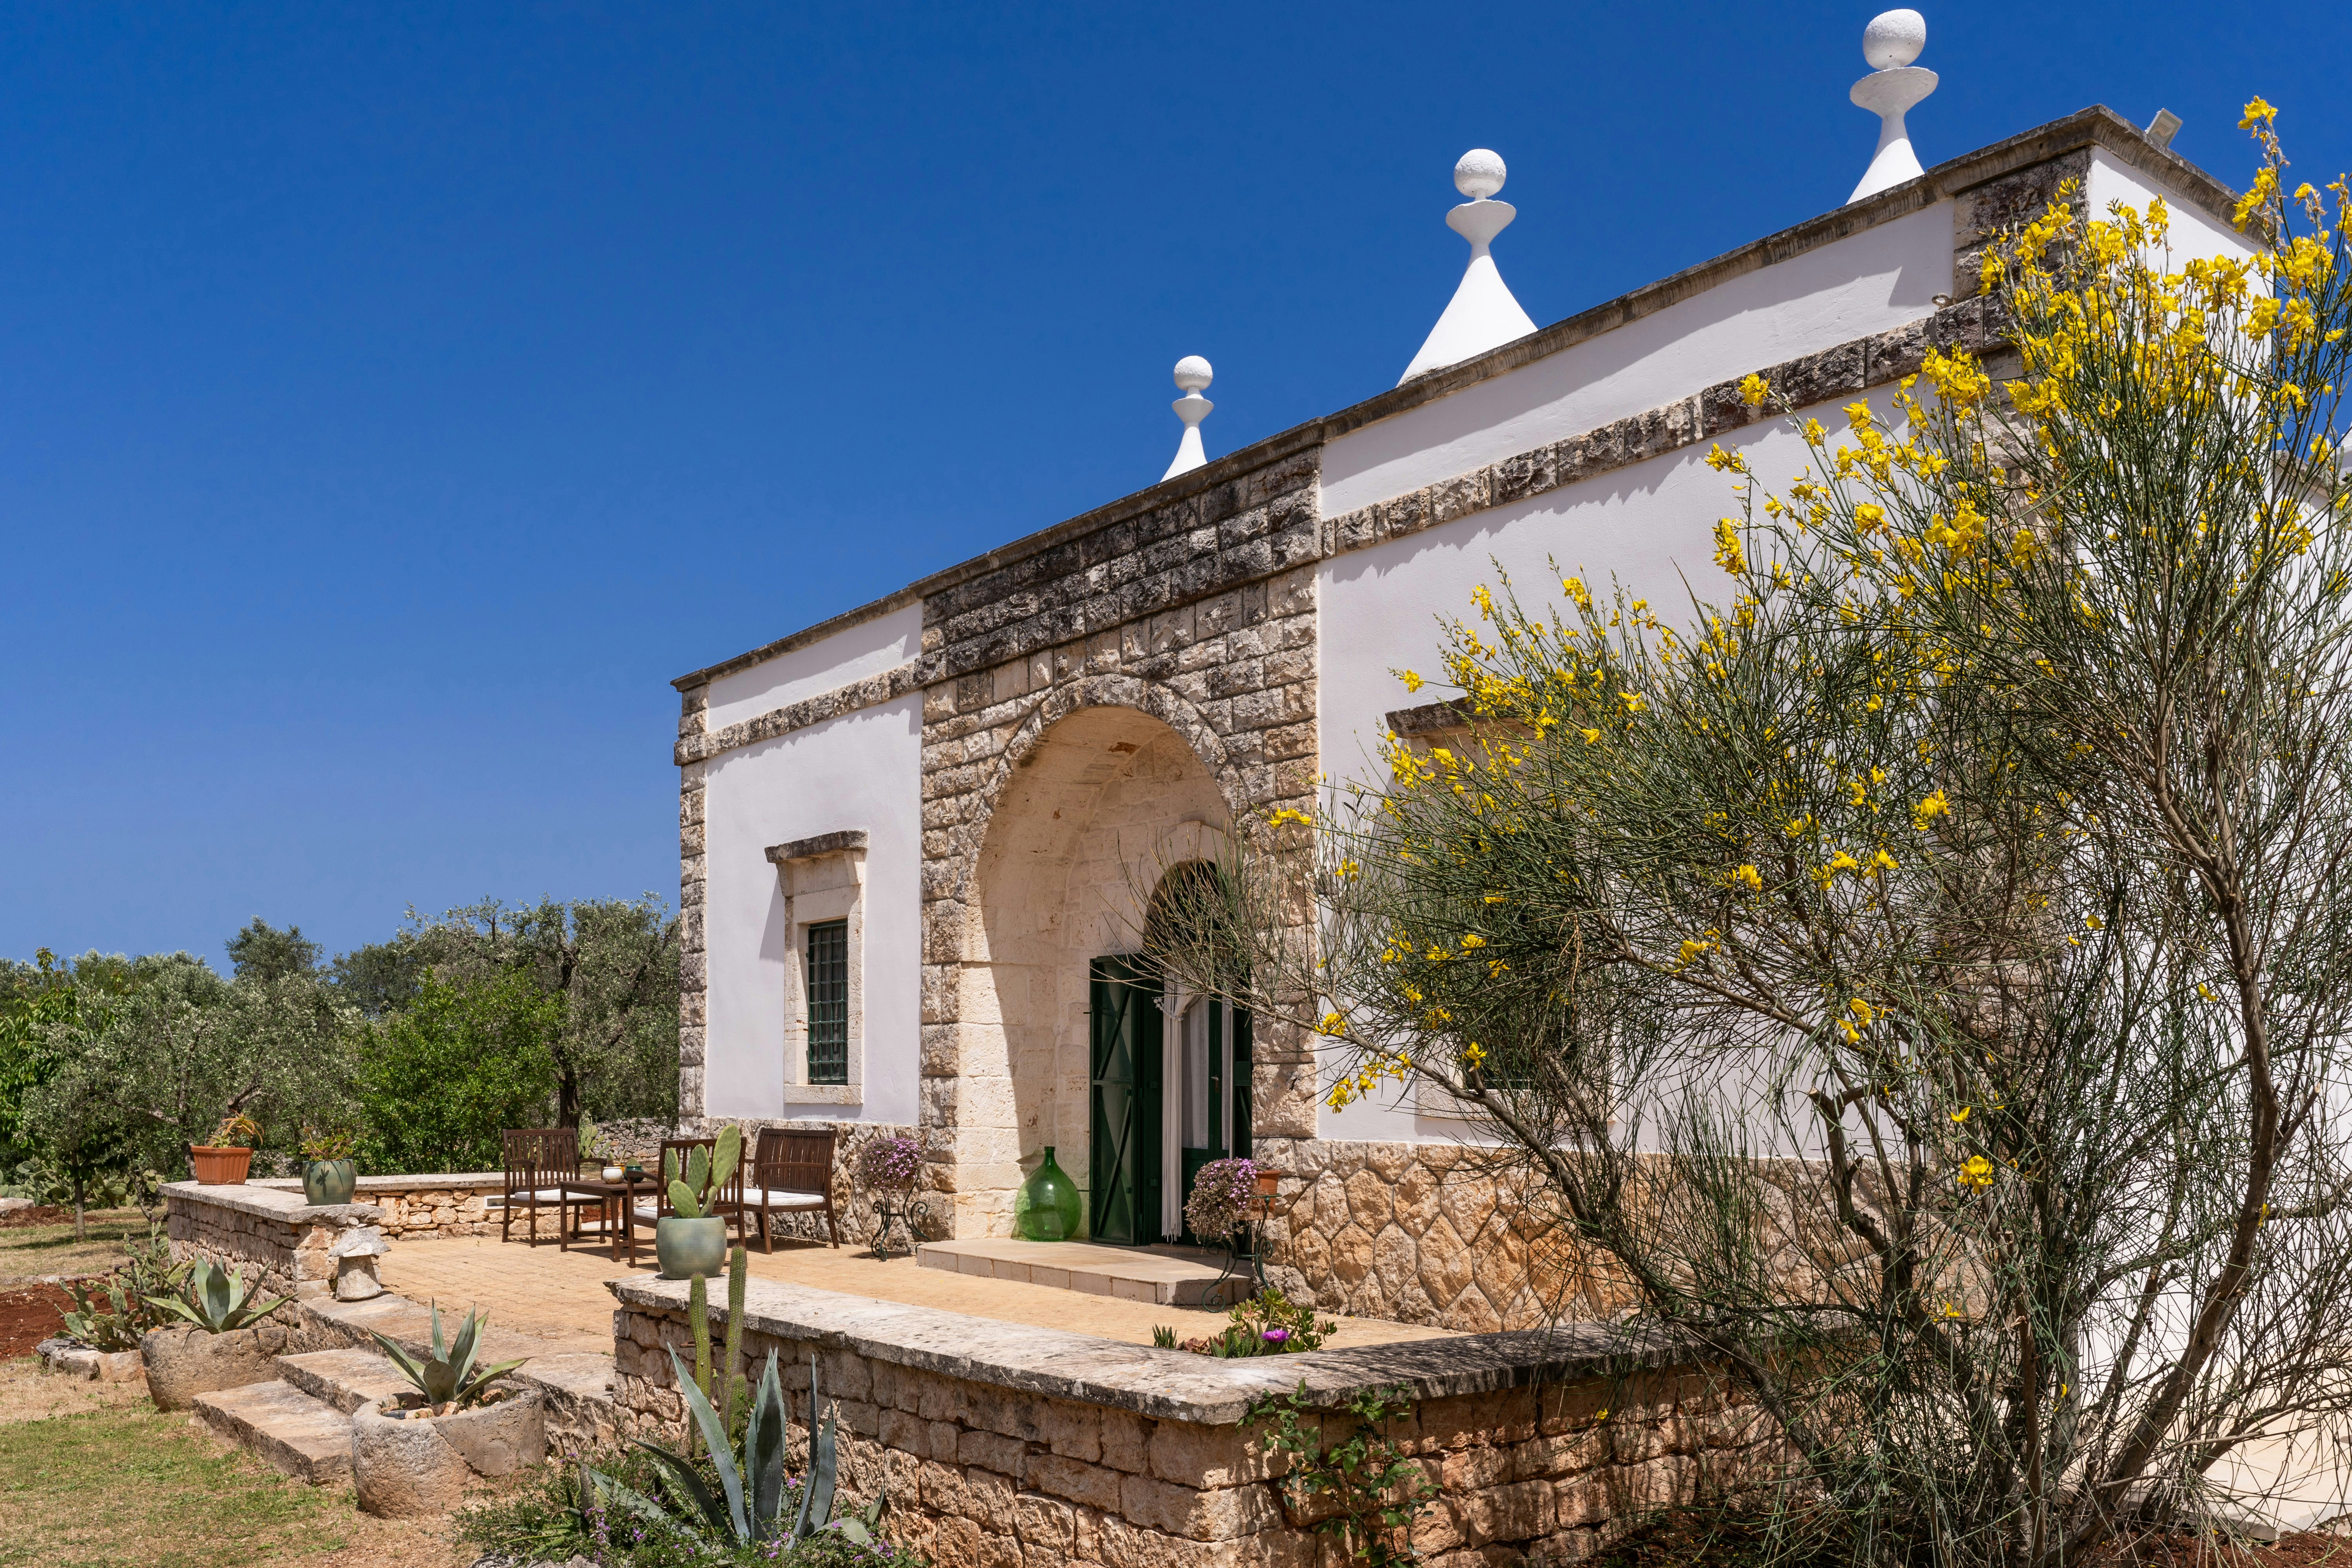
[887, 1170]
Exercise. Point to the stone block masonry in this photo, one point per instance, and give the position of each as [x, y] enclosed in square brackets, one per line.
[281, 1242]
[1007, 1446]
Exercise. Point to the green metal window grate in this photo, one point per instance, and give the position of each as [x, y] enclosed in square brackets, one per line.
[828, 1003]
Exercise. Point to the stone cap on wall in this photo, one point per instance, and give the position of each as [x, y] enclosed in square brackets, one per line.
[271, 1203]
[436, 1182]
[1166, 1385]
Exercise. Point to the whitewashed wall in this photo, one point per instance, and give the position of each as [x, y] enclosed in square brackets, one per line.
[851, 654]
[863, 770]
[2193, 233]
[1879, 279]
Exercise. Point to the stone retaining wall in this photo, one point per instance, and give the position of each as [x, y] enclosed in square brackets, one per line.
[458, 1204]
[1011, 1447]
[281, 1242]
[1424, 1233]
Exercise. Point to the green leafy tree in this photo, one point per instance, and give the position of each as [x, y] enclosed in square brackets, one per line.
[179, 1050]
[51, 1013]
[611, 967]
[439, 1080]
[262, 953]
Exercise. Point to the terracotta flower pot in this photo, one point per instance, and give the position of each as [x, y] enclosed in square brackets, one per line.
[220, 1167]
[1267, 1182]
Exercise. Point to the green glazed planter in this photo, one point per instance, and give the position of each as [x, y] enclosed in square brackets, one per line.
[1048, 1208]
[691, 1246]
[330, 1181]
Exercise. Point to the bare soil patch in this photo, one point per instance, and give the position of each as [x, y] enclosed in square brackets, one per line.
[40, 1214]
[29, 1317]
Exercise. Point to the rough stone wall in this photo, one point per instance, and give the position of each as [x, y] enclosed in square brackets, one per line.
[852, 1206]
[1199, 613]
[431, 1212]
[980, 1475]
[282, 1256]
[1423, 1233]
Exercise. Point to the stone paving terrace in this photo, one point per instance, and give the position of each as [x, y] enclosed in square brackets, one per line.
[560, 1296]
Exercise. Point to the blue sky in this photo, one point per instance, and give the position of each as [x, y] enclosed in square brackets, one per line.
[393, 399]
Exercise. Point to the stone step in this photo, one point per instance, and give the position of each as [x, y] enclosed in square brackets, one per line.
[304, 1437]
[345, 1379]
[1127, 1273]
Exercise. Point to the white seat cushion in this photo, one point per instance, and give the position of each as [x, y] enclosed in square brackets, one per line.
[648, 1211]
[784, 1198]
[545, 1195]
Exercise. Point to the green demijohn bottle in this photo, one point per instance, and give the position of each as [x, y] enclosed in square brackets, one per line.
[1047, 1207]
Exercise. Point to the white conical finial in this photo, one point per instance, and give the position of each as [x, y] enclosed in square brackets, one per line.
[1193, 373]
[1891, 42]
[1482, 314]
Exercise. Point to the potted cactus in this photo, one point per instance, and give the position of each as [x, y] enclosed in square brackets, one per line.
[328, 1174]
[225, 1339]
[224, 1161]
[418, 1452]
[692, 1242]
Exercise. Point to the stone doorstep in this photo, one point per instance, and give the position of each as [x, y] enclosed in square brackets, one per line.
[302, 1437]
[343, 1379]
[1126, 1274]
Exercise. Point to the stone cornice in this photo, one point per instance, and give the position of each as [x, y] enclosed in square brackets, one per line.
[842, 843]
[871, 692]
[1846, 370]
[2096, 126]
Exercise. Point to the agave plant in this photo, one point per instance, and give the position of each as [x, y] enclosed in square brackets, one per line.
[748, 1506]
[449, 1378]
[111, 1313]
[706, 1171]
[217, 1299]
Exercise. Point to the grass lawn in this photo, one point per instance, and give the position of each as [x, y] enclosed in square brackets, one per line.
[29, 1251]
[92, 1475]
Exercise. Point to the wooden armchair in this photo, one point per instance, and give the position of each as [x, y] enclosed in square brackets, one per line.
[793, 1173]
[538, 1161]
[729, 1199]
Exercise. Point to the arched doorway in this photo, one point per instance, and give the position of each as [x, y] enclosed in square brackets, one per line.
[1064, 1041]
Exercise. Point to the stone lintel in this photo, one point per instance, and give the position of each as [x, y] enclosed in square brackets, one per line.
[1166, 1385]
[1430, 718]
[848, 840]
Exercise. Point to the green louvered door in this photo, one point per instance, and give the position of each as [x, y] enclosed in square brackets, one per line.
[1123, 1010]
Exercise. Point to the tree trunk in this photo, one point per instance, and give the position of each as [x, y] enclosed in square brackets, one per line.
[567, 1099]
[82, 1232]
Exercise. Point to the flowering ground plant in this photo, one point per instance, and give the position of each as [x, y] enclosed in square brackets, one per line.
[889, 1165]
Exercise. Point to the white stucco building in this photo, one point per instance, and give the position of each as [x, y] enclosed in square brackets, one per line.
[910, 834]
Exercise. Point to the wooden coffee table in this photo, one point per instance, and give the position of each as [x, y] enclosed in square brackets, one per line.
[622, 1195]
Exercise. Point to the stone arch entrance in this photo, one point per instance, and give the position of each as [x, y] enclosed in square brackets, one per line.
[1094, 803]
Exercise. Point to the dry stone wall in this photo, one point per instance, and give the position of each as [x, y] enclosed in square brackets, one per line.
[1001, 1446]
[282, 1247]
[852, 1206]
[1424, 1233]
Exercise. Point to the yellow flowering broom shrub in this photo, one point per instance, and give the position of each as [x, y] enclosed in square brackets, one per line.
[1920, 969]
